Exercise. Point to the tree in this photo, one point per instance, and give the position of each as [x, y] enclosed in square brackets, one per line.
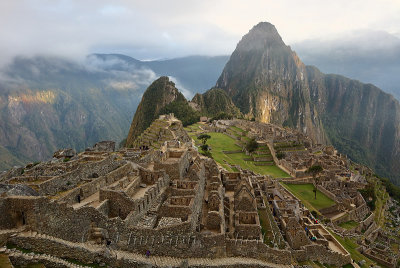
[280, 155]
[251, 145]
[204, 147]
[315, 170]
[204, 138]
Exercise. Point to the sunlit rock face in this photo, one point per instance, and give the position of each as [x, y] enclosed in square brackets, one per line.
[268, 82]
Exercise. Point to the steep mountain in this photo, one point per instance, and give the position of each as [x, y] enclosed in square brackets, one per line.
[156, 97]
[162, 97]
[267, 80]
[47, 103]
[360, 120]
[215, 101]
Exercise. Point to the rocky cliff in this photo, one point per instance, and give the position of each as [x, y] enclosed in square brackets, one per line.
[267, 81]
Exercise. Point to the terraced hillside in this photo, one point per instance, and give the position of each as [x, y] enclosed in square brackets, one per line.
[228, 150]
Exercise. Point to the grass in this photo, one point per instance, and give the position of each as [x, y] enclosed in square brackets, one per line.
[351, 246]
[220, 142]
[265, 227]
[305, 193]
[237, 129]
[381, 199]
[349, 224]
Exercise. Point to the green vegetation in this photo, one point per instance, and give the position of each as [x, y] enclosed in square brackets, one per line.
[182, 111]
[204, 138]
[217, 104]
[350, 245]
[280, 155]
[204, 147]
[349, 224]
[369, 196]
[265, 227]
[305, 193]
[315, 170]
[392, 189]
[66, 159]
[251, 145]
[220, 142]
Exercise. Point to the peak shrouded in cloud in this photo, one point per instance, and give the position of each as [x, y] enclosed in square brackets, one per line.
[168, 29]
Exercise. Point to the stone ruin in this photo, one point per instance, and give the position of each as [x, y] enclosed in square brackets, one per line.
[110, 207]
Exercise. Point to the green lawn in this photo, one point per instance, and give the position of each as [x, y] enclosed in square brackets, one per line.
[349, 224]
[220, 142]
[305, 193]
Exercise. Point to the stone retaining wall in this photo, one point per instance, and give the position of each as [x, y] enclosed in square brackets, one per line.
[258, 250]
[71, 179]
[320, 253]
[92, 187]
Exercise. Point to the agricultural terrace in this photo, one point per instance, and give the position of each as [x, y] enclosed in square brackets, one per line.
[221, 145]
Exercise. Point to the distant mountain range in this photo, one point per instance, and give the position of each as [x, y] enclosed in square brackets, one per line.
[368, 56]
[48, 103]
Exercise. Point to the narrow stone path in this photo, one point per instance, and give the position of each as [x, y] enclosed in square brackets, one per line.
[153, 260]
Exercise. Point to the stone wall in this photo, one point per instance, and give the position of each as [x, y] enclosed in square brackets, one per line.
[120, 205]
[320, 253]
[92, 187]
[71, 179]
[62, 249]
[327, 193]
[258, 250]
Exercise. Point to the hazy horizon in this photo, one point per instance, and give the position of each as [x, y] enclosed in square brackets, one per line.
[153, 30]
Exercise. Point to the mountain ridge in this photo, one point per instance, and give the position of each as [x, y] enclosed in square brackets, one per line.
[268, 81]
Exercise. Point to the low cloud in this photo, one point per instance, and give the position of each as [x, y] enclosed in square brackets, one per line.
[186, 92]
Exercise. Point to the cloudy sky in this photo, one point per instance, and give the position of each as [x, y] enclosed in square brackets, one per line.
[149, 29]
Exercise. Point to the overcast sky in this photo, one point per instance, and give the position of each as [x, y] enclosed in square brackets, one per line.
[148, 29]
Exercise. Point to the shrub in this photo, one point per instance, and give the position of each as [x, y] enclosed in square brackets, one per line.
[280, 155]
[251, 145]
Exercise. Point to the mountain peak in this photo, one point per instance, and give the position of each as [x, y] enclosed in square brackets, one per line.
[261, 36]
[160, 93]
